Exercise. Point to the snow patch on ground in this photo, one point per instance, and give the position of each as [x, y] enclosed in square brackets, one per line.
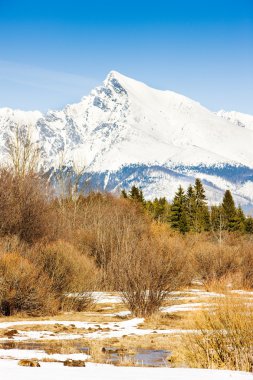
[39, 354]
[111, 330]
[184, 307]
[56, 371]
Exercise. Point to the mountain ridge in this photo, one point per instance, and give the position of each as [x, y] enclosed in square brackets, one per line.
[125, 124]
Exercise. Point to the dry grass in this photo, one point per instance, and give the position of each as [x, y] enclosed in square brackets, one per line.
[164, 321]
[97, 313]
[54, 329]
[224, 338]
[224, 317]
[178, 321]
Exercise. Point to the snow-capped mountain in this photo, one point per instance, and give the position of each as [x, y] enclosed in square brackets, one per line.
[237, 118]
[128, 133]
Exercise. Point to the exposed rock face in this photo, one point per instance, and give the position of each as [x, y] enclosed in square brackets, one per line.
[127, 133]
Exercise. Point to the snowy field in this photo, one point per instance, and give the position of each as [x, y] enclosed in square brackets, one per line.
[109, 321]
[54, 371]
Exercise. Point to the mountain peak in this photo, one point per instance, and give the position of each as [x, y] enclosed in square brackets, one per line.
[113, 74]
[117, 82]
[124, 80]
[126, 131]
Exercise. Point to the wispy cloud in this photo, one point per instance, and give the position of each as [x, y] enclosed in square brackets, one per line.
[30, 87]
[41, 78]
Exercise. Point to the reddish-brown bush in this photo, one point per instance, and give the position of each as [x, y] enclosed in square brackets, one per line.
[25, 207]
[24, 288]
[72, 274]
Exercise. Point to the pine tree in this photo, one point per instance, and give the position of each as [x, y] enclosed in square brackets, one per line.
[240, 218]
[230, 212]
[217, 218]
[191, 206]
[206, 224]
[249, 225]
[136, 194]
[123, 194]
[199, 191]
[202, 215]
[183, 223]
[159, 209]
[178, 212]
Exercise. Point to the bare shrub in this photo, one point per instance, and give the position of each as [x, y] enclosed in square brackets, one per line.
[133, 258]
[25, 209]
[107, 225]
[216, 263]
[23, 288]
[23, 152]
[146, 271]
[73, 275]
[224, 338]
[246, 267]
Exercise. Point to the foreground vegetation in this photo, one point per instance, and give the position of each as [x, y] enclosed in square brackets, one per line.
[58, 247]
[56, 250]
[224, 337]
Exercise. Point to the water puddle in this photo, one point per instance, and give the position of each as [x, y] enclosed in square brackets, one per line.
[112, 355]
[139, 356]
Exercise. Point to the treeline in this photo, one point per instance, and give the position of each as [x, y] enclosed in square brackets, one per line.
[57, 248]
[189, 211]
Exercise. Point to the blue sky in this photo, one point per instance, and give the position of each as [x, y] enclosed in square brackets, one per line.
[54, 52]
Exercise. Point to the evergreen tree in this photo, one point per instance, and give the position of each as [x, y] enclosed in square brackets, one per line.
[123, 194]
[183, 223]
[217, 218]
[206, 224]
[199, 191]
[149, 207]
[230, 212]
[240, 218]
[249, 225]
[228, 205]
[201, 212]
[159, 209]
[178, 212]
[136, 194]
[191, 206]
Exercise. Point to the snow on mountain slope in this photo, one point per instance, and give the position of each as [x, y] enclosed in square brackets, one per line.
[241, 119]
[128, 133]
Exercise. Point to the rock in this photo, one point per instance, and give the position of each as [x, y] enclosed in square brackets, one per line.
[11, 333]
[74, 363]
[29, 363]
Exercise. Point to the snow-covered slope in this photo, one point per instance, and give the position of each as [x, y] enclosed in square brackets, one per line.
[126, 132]
[241, 119]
